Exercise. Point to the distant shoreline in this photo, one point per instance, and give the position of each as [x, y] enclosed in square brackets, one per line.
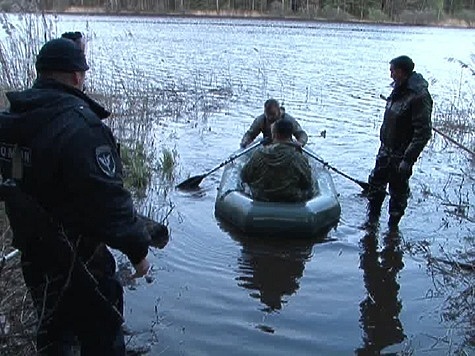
[248, 15]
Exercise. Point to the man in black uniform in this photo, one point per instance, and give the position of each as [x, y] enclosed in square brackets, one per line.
[70, 166]
[405, 131]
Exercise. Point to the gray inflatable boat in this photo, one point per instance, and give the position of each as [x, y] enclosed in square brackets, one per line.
[235, 206]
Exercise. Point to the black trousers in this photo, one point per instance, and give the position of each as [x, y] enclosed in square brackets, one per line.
[72, 315]
[386, 173]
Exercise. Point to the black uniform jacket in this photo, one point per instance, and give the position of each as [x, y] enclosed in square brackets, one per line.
[407, 125]
[72, 167]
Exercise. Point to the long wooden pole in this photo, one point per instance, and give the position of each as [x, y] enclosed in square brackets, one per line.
[450, 139]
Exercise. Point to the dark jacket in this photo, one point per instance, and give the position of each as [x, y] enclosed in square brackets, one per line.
[278, 172]
[407, 127]
[261, 124]
[72, 168]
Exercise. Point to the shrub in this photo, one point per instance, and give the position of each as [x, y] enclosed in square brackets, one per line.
[468, 16]
[377, 15]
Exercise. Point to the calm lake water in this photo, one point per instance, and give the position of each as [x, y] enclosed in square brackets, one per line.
[220, 293]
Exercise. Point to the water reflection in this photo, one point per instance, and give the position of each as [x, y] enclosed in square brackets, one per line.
[380, 309]
[271, 269]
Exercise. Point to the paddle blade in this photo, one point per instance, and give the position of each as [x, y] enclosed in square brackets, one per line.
[365, 186]
[191, 183]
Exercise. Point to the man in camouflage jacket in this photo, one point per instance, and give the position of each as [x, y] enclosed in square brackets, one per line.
[279, 172]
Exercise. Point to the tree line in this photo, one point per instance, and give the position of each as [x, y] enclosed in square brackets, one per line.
[408, 11]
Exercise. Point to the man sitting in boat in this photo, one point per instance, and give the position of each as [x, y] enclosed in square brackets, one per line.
[262, 123]
[279, 172]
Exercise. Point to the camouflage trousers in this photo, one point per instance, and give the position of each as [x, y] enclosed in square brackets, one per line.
[386, 173]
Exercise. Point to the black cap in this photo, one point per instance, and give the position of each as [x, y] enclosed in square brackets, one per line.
[61, 55]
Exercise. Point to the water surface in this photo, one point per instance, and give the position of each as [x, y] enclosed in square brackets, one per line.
[217, 292]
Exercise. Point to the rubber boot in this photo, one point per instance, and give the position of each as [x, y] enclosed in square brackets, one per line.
[394, 219]
[373, 212]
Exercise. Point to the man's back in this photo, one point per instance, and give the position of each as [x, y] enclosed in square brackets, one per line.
[67, 139]
[278, 172]
[68, 177]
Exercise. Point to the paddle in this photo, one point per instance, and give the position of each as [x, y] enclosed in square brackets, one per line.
[362, 184]
[194, 182]
[448, 138]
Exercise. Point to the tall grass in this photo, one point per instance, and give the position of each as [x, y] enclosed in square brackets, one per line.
[17, 316]
[168, 163]
[453, 268]
[456, 115]
[137, 169]
[21, 38]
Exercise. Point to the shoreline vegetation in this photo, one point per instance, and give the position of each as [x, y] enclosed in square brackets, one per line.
[246, 15]
[439, 13]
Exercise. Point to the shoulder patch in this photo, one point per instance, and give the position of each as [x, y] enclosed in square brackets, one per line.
[6, 153]
[105, 160]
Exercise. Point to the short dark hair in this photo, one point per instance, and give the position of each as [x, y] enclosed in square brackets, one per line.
[284, 128]
[74, 36]
[403, 62]
[271, 103]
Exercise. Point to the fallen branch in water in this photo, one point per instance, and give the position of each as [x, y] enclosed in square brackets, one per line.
[465, 266]
[448, 138]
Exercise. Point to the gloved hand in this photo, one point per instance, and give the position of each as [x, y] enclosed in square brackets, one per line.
[158, 232]
[159, 235]
[405, 169]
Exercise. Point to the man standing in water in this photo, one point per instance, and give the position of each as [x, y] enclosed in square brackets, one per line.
[263, 123]
[68, 164]
[405, 131]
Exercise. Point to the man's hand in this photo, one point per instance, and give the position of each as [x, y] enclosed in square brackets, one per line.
[158, 232]
[405, 169]
[298, 145]
[141, 268]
